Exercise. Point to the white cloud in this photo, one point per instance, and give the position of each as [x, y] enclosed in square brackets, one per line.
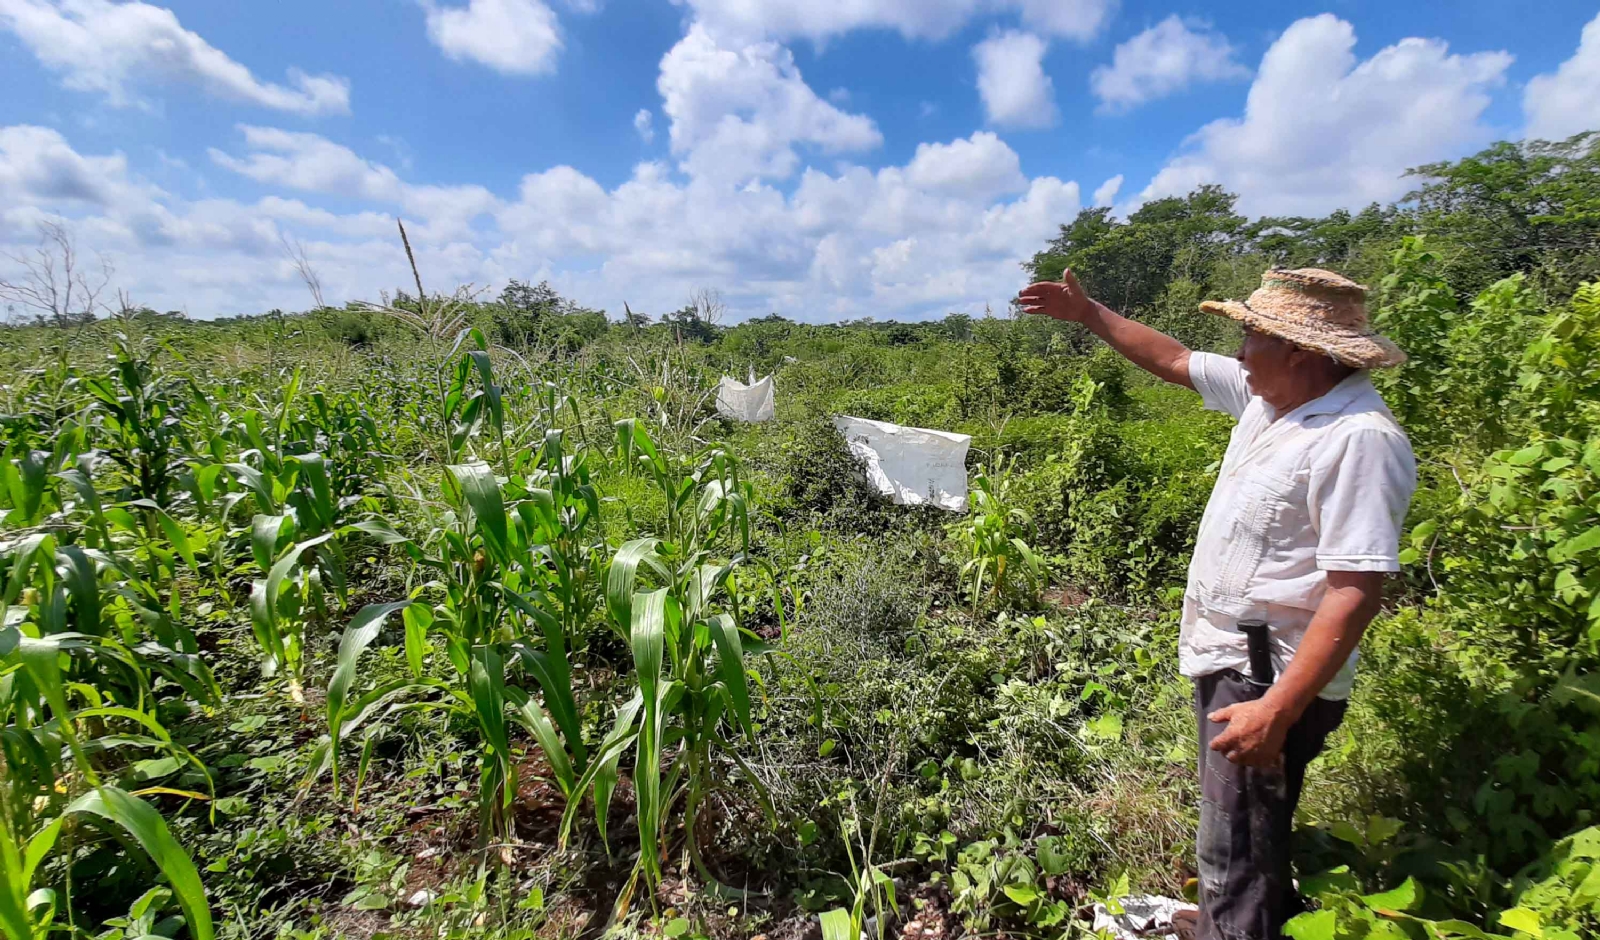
[945, 231]
[1106, 194]
[1011, 80]
[644, 123]
[1567, 101]
[1321, 130]
[760, 199]
[311, 163]
[38, 167]
[981, 166]
[738, 111]
[105, 47]
[1164, 59]
[514, 37]
[749, 20]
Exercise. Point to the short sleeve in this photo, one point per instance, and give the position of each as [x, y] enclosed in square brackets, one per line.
[1360, 488]
[1220, 382]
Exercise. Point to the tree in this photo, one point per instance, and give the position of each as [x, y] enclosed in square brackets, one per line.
[697, 320]
[1514, 207]
[1128, 265]
[633, 319]
[53, 282]
[538, 300]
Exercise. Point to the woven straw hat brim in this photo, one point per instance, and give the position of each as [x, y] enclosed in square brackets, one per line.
[1357, 350]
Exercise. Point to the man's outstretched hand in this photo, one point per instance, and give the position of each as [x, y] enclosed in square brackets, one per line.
[1063, 300]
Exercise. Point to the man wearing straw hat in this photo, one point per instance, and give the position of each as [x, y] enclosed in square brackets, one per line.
[1303, 522]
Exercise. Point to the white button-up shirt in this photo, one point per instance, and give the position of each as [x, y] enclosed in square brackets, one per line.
[1322, 488]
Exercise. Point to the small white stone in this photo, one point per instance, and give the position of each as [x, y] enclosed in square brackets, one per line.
[422, 898]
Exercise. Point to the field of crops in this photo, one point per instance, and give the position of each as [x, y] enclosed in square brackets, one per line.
[456, 619]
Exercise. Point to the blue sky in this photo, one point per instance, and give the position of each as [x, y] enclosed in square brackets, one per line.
[819, 158]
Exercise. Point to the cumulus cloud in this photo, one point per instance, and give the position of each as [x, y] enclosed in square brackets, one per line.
[944, 231]
[312, 163]
[1164, 59]
[760, 198]
[514, 37]
[105, 47]
[1322, 130]
[39, 168]
[738, 111]
[914, 19]
[1106, 194]
[1567, 101]
[1015, 90]
[980, 167]
[644, 122]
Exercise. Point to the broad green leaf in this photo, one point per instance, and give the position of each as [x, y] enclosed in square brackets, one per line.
[1317, 925]
[481, 491]
[418, 620]
[363, 629]
[730, 667]
[836, 925]
[1523, 920]
[1403, 898]
[83, 586]
[380, 529]
[623, 576]
[145, 825]
[1022, 894]
[1381, 829]
[534, 719]
[610, 754]
[264, 623]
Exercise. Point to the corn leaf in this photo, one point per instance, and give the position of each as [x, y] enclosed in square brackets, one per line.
[730, 668]
[146, 826]
[481, 492]
[363, 629]
[624, 574]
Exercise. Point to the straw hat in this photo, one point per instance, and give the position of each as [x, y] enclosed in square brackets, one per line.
[1314, 309]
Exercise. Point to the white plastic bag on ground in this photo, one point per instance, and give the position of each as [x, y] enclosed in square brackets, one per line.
[1139, 915]
[912, 466]
[751, 404]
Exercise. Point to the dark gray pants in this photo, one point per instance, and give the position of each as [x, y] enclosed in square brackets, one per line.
[1247, 815]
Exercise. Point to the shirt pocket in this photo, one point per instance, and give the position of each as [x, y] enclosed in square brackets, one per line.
[1268, 514]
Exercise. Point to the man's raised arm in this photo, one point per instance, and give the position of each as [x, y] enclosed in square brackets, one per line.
[1151, 350]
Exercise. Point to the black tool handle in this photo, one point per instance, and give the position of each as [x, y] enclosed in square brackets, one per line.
[1259, 637]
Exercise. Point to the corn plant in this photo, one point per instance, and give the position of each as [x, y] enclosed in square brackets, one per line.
[140, 416]
[29, 913]
[497, 622]
[676, 603]
[558, 522]
[78, 701]
[999, 557]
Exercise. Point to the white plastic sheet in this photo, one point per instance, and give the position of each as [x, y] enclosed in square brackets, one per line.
[1139, 915]
[751, 403]
[912, 466]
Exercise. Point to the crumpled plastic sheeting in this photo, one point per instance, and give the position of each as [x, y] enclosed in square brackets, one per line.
[751, 404]
[912, 466]
[1139, 915]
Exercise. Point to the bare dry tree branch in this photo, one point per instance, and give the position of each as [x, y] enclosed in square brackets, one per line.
[708, 305]
[53, 281]
[296, 253]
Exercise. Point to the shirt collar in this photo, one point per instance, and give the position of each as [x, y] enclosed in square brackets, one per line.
[1339, 398]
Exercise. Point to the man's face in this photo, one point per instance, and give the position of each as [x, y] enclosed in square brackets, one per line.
[1269, 365]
